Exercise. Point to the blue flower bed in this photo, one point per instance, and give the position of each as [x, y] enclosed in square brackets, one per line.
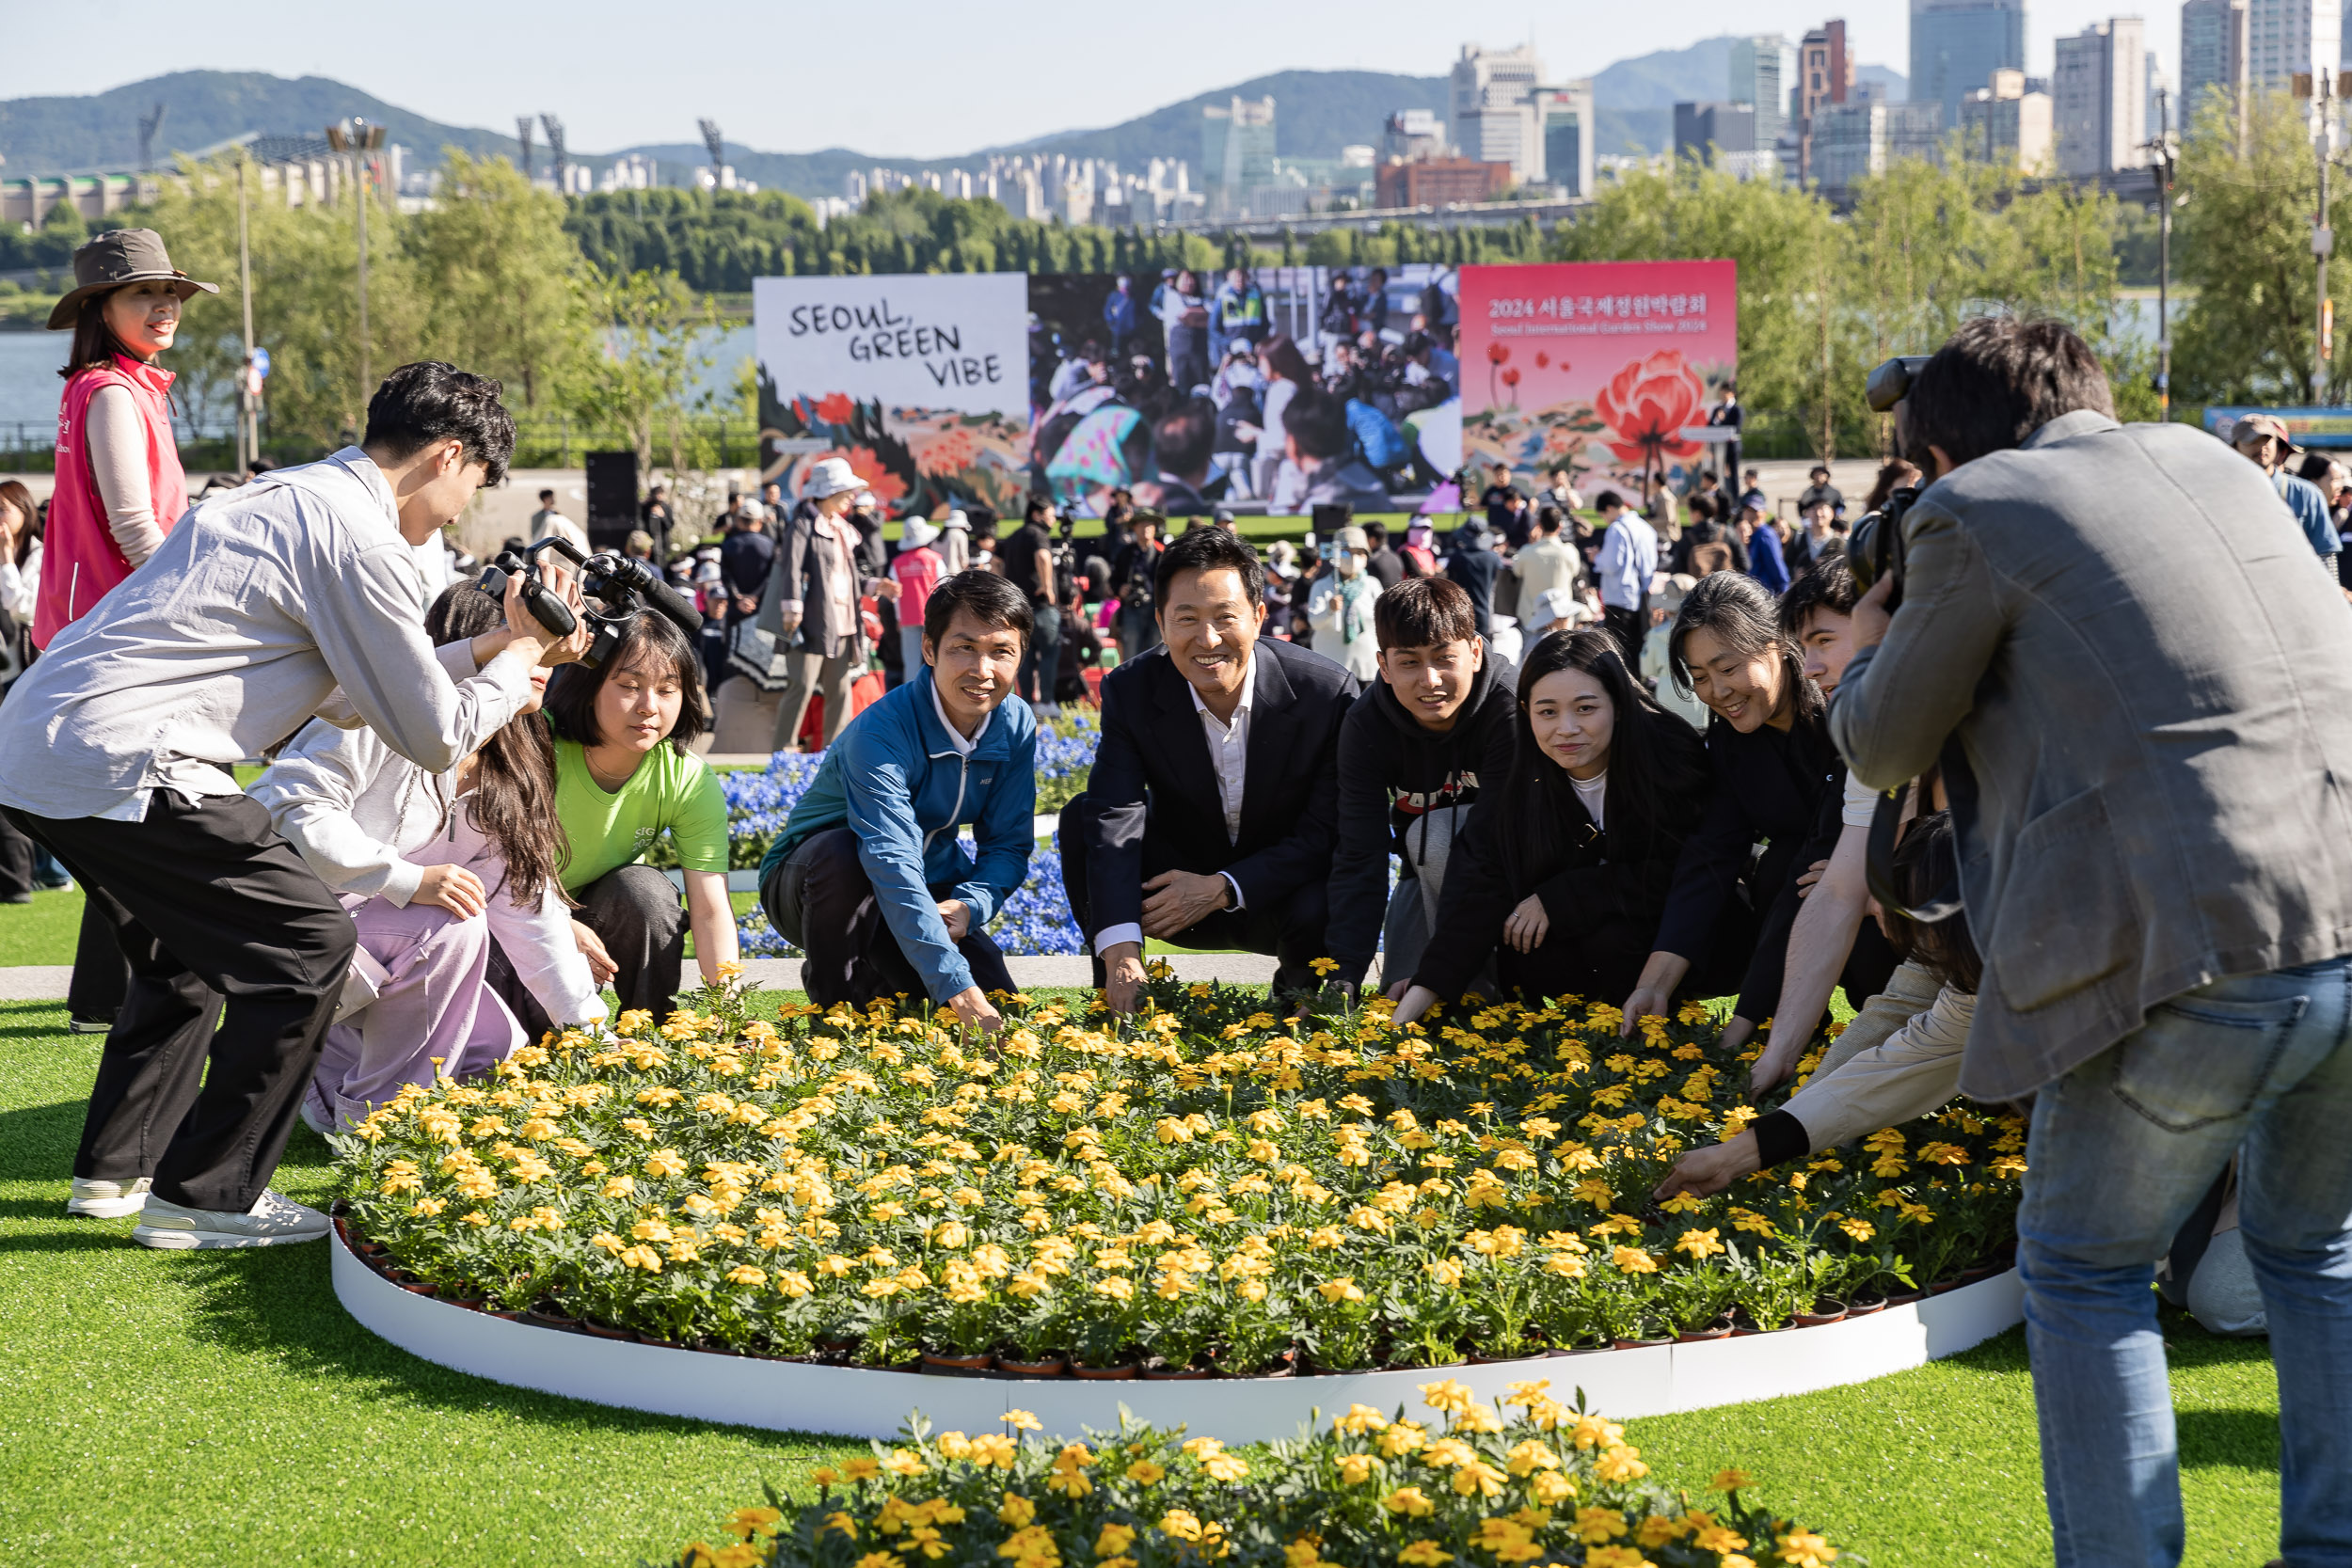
[1036, 919]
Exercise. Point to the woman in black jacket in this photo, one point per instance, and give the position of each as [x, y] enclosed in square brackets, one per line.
[1565, 867]
[1775, 774]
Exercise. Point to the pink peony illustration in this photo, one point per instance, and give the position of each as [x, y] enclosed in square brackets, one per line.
[1646, 406]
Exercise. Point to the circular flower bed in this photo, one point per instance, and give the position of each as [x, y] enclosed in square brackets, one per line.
[1525, 1479]
[1202, 1188]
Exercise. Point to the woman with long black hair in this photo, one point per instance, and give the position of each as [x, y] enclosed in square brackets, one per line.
[439, 872]
[1770, 751]
[1563, 872]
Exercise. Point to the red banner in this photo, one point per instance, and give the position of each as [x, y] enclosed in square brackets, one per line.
[1601, 365]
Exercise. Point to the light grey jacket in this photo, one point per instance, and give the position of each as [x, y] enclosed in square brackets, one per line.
[2147, 693]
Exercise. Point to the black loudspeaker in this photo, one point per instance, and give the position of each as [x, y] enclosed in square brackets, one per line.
[611, 498]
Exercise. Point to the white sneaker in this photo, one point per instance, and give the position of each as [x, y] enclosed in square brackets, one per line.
[273, 1221]
[107, 1200]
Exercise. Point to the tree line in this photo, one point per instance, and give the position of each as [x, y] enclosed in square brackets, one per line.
[591, 307]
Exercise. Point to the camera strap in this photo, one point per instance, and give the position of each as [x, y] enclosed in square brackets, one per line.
[1878, 864]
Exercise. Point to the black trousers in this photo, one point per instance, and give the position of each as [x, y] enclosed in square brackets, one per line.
[16, 862]
[101, 977]
[636, 912]
[225, 925]
[1293, 929]
[1628, 626]
[822, 901]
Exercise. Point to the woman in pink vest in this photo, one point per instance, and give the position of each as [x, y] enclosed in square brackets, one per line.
[119, 484]
[120, 490]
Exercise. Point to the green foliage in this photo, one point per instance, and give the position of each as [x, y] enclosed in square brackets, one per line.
[2242, 247]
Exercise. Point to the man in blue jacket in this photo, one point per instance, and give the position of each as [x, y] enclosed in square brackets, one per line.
[867, 878]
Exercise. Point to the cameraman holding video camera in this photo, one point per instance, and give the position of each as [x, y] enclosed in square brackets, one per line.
[2145, 718]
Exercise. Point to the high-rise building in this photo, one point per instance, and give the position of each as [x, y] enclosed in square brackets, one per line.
[1411, 135]
[2005, 123]
[1956, 46]
[1824, 78]
[2213, 55]
[2100, 96]
[1853, 140]
[1759, 76]
[2285, 37]
[1703, 130]
[1563, 120]
[1236, 150]
[1493, 115]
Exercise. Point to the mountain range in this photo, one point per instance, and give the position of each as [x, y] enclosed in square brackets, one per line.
[1317, 112]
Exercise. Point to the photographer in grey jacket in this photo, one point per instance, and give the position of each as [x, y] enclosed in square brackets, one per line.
[2111, 638]
[296, 595]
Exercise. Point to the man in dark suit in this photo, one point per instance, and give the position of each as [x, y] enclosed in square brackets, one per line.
[1209, 814]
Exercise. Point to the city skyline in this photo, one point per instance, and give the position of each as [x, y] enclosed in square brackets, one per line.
[467, 66]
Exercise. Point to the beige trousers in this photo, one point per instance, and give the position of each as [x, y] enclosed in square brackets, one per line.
[819, 674]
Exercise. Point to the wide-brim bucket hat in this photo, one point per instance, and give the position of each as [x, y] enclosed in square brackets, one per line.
[830, 476]
[114, 258]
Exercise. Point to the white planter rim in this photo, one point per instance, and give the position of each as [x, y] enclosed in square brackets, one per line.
[855, 1402]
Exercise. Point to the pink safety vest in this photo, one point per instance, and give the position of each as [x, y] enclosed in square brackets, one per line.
[80, 561]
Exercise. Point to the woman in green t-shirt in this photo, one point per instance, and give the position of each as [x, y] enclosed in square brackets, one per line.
[623, 776]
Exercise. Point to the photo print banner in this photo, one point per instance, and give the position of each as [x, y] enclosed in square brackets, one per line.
[1157, 383]
[920, 381]
[1599, 365]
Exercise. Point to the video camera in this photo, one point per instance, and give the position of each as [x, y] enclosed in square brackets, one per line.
[1877, 548]
[1877, 552]
[616, 589]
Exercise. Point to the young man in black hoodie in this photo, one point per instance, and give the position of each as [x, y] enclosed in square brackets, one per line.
[1412, 753]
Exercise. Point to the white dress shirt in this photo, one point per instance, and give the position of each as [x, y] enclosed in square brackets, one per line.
[1228, 757]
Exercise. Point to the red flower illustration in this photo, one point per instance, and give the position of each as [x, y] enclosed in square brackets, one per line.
[1542, 360]
[870, 469]
[836, 409]
[1498, 352]
[1646, 406]
[1511, 377]
[949, 453]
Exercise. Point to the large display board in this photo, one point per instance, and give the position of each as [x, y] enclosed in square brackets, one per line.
[1601, 365]
[915, 378]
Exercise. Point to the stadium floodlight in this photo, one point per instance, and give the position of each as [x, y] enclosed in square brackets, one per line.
[522, 136]
[148, 126]
[716, 143]
[554, 128]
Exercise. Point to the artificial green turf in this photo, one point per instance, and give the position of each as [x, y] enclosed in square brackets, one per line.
[220, 1408]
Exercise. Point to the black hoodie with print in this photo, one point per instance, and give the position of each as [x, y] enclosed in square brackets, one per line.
[1392, 771]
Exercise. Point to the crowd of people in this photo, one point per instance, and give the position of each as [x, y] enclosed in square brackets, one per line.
[2064, 818]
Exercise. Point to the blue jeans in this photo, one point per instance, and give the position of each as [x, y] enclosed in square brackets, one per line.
[1040, 662]
[2121, 1150]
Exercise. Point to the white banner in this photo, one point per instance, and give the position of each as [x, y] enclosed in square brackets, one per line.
[941, 342]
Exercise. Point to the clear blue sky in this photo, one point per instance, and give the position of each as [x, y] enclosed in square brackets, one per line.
[902, 78]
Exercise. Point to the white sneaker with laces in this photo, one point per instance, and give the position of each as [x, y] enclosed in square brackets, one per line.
[93, 1200]
[273, 1221]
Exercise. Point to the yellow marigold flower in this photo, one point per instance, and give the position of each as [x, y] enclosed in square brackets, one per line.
[1411, 1501]
[862, 1470]
[1597, 1525]
[1359, 1419]
[1182, 1524]
[641, 1256]
[838, 1520]
[1403, 1439]
[878, 1560]
[743, 1273]
[1424, 1554]
[1226, 1468]
[1324, 966]
[1478, 1479]
[1341, 1288]
[903, 1462]
[1302, 1553]
[1357, 1468]
[1020, 1420]
[1699, 1243]
[1528, 1457]
[1448, 1395]
[1144, 1473]
[1631, 1259]
[1730, 1481]
[1622, 1463]
[1715, 1538]
[748, 1522]
[994, 1449]
[665, 1162]
[1658, 1530]
[1114, 1539]
[1616, 1557]
[1801, 1548]
[1016, 1509]
[1550, 1487]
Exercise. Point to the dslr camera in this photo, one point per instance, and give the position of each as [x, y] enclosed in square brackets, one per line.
[1876, 549]
[616, 590]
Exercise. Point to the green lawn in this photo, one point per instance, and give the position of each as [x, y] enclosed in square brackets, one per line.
[219, 1408]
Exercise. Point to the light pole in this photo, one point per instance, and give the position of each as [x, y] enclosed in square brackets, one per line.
[249, 432]
[357, 138]
[2165, 163]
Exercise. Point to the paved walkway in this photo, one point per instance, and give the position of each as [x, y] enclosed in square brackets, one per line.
[47, 982]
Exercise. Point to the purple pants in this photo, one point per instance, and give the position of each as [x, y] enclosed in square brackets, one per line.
[433, 1014]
